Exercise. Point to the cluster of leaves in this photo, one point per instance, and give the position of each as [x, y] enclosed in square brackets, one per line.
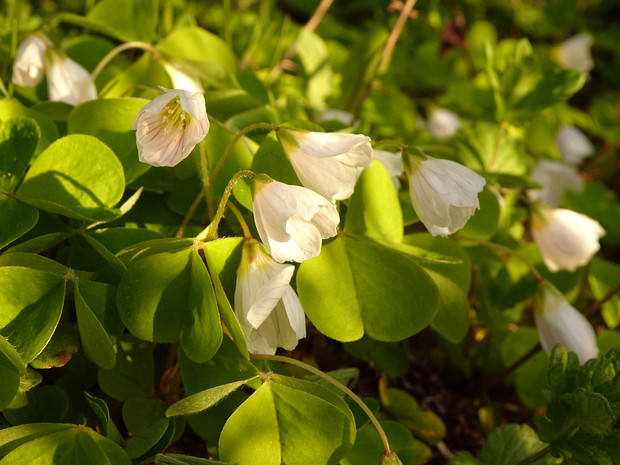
[111, 323]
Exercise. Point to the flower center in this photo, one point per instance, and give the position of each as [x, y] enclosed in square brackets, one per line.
[173, 117]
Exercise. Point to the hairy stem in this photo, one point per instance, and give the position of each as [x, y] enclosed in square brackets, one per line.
[247, 234]
[121, 48]
[210, 232]
[206, 179]
[339, 385]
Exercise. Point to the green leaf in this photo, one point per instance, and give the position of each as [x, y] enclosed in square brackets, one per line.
[357, 286]
[20, 216]
[368, 446]
[590, 411]
[36, 262]
[11, 108]
[390, 357]
[484, 223]
[110, 121]
[31, 302]
[205, 399]
[423, 423]
[127, 20]
[134, 371]
[42, 404]
[282, 424]
[46, 444]
[60, 348]
[95, 340]
[271, 160]
[77, 176]
[202, 331]
[603, 276]
[374, 209]
[106, 423]
[11, 369]
[18, 140]
[452, 319]
[153, 293]
[226, 311]
[115, 263]
[177, 459]
[511, 445]
[187, 45]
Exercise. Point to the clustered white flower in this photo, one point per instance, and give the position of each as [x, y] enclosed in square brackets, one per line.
[67, 81]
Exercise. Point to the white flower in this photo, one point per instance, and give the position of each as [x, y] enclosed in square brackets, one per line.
[292, 220]
[574, 53]
[333, 114]
[444, 193]
[560, 323]
[327, 162]
[169, 127]
[555, 177]
[181, 80]
[67, 81]
[573, 145]
[29, 65]
[393, 164]
[443, 124]
[565, 239]
[267, 307]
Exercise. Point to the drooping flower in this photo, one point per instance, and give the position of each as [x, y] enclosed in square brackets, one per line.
[443, 123]
[393, 164]
[29, 64]
[169, 127]
[573, 145]
[565, 239]
[326, 162]
[575, 53]
[558, 322]
[444, 193]
[292, 221]
[67, 81]
[266, 305]
[181, 80]
[555, 178]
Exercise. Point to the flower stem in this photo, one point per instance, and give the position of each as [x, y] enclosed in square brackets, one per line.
[387, 52]
[121, 48]
[599, 303]
[247, 234]
[339, 385]
[206, 179]
[508, 250]
[4, 91]
[210, 232]
[234, 140]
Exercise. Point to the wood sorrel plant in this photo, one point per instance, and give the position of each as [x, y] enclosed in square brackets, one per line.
[395, 310]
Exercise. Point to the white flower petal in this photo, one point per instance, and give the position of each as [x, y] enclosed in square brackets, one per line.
[573, 145]
[444, 194]
[555, 178]
[575, 53]
[443, 124]
[67, 81]
[327, 163]
[560, 323]
[29, 64]
[181, 80]
[169, 127]
[565, 239]
[266, 306]
[292, 220]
